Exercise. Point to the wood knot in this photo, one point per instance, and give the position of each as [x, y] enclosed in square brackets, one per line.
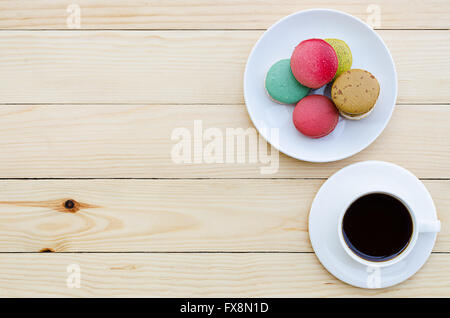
[47, 250]
[71, 206]
[60, 205]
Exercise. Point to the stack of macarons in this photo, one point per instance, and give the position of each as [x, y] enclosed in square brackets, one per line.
[313, 64]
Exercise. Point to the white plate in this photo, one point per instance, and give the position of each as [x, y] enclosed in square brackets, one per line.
[278, 42]
[333, 197]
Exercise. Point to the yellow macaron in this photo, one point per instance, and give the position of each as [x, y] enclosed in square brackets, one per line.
[344, 55]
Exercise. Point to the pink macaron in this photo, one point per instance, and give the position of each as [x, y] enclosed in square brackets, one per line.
[314, 63]
[315, 116]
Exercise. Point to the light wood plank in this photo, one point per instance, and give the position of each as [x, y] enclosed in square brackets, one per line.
[66, 141]
[182, 67]
[168, 215]
[210, 14]
[199, 275]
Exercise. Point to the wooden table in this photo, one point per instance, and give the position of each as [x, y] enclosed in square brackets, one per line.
[86, 121]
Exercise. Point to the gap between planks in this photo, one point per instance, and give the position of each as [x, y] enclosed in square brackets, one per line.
[199, 30]
[183, 104]
[176, 252]
[187, 178]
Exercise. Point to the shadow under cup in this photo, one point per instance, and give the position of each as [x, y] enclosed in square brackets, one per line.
[377, 227]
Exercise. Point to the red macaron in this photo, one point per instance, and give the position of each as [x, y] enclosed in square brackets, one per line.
[314, 63]
[315, 116]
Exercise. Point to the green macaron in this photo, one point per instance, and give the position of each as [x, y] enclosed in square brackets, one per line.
[281, 84]
[344, 55]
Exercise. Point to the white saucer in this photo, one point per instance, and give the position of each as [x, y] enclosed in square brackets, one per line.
[338, 191]
[278, 42]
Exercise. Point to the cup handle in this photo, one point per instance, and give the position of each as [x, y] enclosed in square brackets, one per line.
[427, 226]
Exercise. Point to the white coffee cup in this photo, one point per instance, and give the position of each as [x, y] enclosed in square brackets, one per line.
[419, 226]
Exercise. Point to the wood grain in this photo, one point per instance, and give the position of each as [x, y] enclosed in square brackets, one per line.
[211, 14]
[103, 102]
[110, 141]
[181, 67]
[199, 275]
[168, 215]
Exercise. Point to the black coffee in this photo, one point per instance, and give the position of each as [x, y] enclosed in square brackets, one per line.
[377, 227]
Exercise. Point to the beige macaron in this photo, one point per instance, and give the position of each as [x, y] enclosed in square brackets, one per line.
[355, 93]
